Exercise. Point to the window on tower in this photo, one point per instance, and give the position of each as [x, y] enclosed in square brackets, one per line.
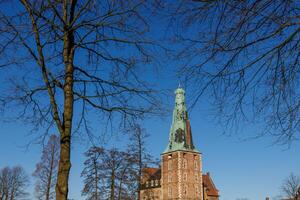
[185, 176]
[170, 177]
[184, 163]
[170, 192]
[185, 190]
[170, 164]
[196, 164]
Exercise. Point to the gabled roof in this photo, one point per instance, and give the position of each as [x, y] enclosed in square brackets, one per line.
[211, 189]
[151, 173]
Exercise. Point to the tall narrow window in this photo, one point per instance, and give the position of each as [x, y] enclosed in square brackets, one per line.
[170, 177]
[184, 164]
[196, 190]
[184, 176]
[170, 162]
[170, 192]
[196, 164]
[170, 165]
[185, 190]
[196, 177]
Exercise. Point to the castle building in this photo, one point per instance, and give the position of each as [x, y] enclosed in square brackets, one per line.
[180, 175]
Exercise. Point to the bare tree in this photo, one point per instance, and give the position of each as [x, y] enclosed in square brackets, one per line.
[108, 175]
[75, 55]
[243, 55]
[291, 187]
[46, 170]
[137, 148]
[13, 183]
[91, 174]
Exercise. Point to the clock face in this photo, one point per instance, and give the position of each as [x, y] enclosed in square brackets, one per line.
[179, 135]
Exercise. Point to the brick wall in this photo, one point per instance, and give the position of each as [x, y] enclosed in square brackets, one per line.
[182, 175]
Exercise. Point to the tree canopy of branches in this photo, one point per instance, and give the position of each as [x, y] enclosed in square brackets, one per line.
[291, 187]
[66, 56]
[244, 55]
[13, 183]
[109, 174]
[46, 170]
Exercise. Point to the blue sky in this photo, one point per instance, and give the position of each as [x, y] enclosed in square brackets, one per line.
[240, 168]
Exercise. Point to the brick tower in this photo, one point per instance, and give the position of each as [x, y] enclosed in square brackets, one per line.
[181, 170]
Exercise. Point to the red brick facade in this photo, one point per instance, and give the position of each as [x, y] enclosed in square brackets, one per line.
[181, 176]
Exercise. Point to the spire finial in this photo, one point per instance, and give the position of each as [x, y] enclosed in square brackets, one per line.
[179, 84]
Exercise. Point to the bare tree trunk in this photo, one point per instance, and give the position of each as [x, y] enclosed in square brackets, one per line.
[96, 180]
[65, 140]
[140, 162]
[49, 181]
[120, 188]
[140, 165]
[12, 194]
[63, 168]
[112, 185]
[121, 183]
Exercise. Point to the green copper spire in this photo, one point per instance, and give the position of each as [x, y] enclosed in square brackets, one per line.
[180, 134]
